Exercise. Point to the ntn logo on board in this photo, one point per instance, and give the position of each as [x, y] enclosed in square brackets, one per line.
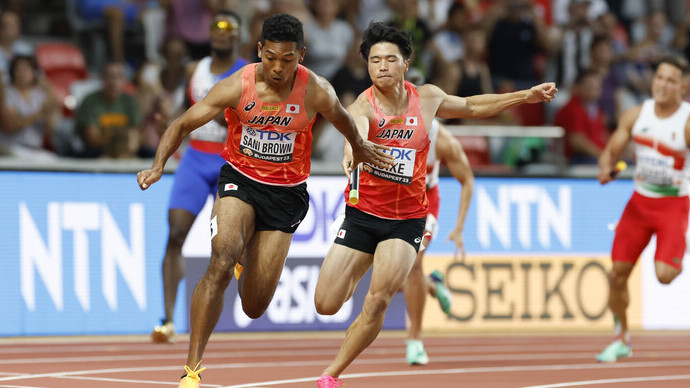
[42, 257]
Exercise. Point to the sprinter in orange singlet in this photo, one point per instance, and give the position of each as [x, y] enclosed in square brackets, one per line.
[386, 226]
[262, 196]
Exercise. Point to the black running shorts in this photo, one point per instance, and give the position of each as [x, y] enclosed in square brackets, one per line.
[276, 207]
[363, 232]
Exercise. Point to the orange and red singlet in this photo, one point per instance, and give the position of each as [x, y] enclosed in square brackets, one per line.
[270, 142]
[400, 191]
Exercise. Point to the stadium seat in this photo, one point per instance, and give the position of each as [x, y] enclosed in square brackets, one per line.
[477, 150]
[63, 63]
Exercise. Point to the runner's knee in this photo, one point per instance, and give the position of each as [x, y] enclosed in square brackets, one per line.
[326, 305]
[255, 308]
[666, 277]
[375, 304]
[177, 237]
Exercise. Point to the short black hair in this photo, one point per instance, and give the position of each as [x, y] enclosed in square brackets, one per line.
[227, 12]
[676, 61]
[283, 28]
[383, 32]
[586, 73]
[30, 59]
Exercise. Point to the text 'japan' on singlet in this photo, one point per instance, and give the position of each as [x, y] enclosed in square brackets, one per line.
[211, 136]
[400, 191]
[270, 142]
[661, 152]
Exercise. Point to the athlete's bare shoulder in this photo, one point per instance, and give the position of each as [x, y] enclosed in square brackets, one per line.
[631, 114]
[430, 91]
[362, 107]
[317, 84]
[319, 95]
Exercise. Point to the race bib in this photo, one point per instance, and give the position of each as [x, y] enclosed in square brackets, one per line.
[271, 146]
[402, 171]
[654, 169]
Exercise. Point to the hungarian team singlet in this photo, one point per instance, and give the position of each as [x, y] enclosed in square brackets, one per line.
[270, 142]
[398, 192]
[661, 152]
[210, 137]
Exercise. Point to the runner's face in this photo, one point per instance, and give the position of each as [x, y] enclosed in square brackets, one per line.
[225, 32]
[668, 85]
[279, 61]
[386, 65]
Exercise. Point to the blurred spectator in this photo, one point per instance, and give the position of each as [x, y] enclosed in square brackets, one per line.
[608, 25]
[475, 76]
[161, 93]
[641, 57]
[571, 47]
[116, 14]
[361, 12]
[436, 12]
[30, 110]
[188, 20]
[516, 37]
[583, 120]
[328, 38]
[674, 14]
[406, 17]
[264, 9]
[107, 120]
[561, 12]
[11, 43]
[448, 48]
[682, 39]
[472, 74]
[613, 80]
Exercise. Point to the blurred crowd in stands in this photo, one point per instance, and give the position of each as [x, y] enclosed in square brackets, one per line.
[103, 78]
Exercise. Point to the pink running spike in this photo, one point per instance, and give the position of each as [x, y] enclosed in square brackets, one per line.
[327, 381]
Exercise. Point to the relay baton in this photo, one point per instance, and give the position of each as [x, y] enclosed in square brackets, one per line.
[354, 186]
[620, 166]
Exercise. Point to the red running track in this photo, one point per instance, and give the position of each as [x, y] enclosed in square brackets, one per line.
[296, 359]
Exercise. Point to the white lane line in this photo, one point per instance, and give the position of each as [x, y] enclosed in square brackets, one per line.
[470, 370]
[565, 353]
[127, 380]
[18, 386]
[593, 365]
[359, 375]
[612, 381]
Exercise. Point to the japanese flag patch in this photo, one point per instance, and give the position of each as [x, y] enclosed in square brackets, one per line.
[292, 108]
[411, 120]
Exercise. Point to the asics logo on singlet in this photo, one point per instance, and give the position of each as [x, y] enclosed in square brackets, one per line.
[249, 106]
[417, 240]
[382, 122]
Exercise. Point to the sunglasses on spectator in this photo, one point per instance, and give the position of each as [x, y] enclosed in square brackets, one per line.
[224, 25]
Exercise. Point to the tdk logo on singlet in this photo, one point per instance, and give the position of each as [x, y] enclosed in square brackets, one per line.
[401, 153]
[403, 134]
[269, 135]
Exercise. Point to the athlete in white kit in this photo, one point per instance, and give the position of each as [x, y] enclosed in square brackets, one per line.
[660, 131]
